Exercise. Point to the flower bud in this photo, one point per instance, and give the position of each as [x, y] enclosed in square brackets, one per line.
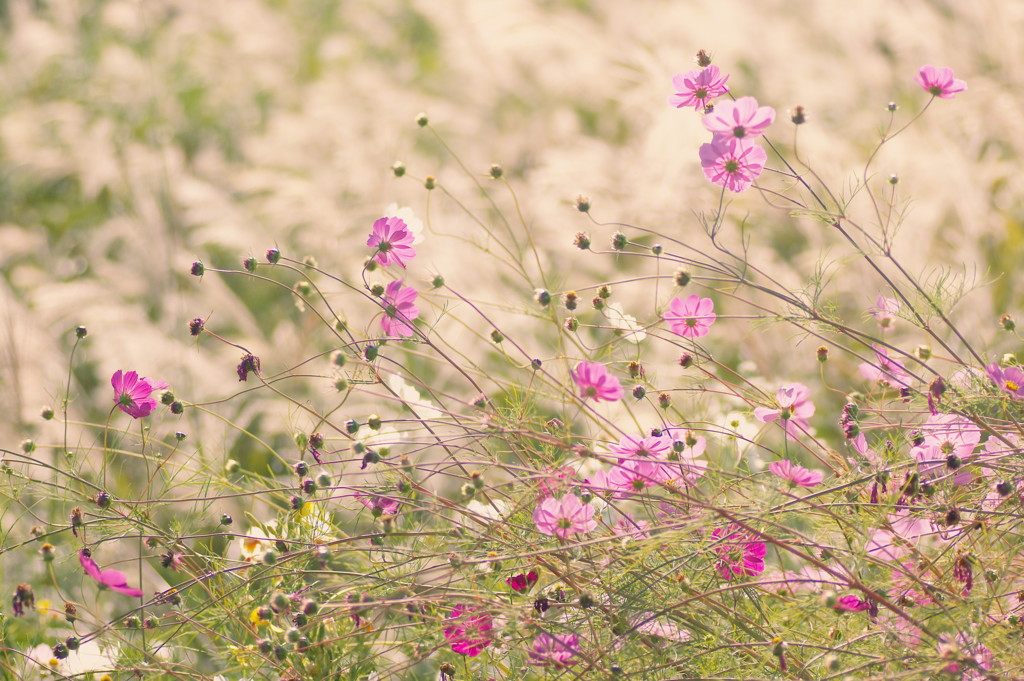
[571, 300]
[686, 360]
[822, 353]
[894, 180]
[226, 520]
[48, 552]
[197, 269]
[572, 324]
[798, 115]
[496, 336]
[1006, 321]
[582, 241]
[81, 332]
[703, 59]
[664, 400]
[273, 256]
[398, 168]
[28, 446]
[496, 171]
[46, 413]
[370, 352]
[308, 487]
[269, 557]
[60, 651]
[422, 120]
[542, 297]
[598, 303]
[639, 392]
[892, 106]
[231, 466]
[619, 241]
[177, 408]
[583, 203]
[656, 249]
[923, 352]
[438, 281]
[103, 500]
[377, 290]
[195, 327]
[430, 182]
[681, 278]
[249, 264]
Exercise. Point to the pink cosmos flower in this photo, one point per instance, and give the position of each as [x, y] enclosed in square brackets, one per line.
[631, 447]
[939, 82]
[523, 581]
[1010, 379]
[630, 528]
[648, 624]
[887, 369]
[132, 393]
[399, 309]
[691, 317]
[851, 603]
[111, 579]
[698, 87]
[685, 455]
[794, 409]
[635, 475]
[556, 650]
[595, 383]
[565, 516]
[740, 119]
[378, 505]
[393, 241]
[900, 533]
[738, 551]
[885, 311]
[733, 165]
[468, 634]
[797, 476]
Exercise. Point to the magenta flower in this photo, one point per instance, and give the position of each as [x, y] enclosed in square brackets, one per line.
[798, 476]
[523, 581]
[132, 393]
[399, 309]
[888, 370]
[698, 87]
[794, 409]
[555, 650]
[595, 383]
[565, 516]
[733, 165]
[1010, 379]
[740, 119]
[468, 634]
[851, 603]
[393, 241]
[378, 505]
[939, 82]
[691, 317]
[111, 579]
[739, 553]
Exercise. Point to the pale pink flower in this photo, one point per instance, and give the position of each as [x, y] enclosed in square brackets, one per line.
[685, 455]
[794, 409]
[631, 447]
[399, 309]
[939, 82]
[628, 527]
[886, 370]
[797, 476]
[565, 516]
[733, 165]
[556, 650]
[899, 534]
[111, 579]
[596, 383]
[885, 311]
[691, 317]
[393, 241]
[132, 393]
[635, 475]
[649, 624]
[697, 87]
[740, 119]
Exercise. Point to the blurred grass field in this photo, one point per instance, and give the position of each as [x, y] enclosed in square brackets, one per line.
[136, 137]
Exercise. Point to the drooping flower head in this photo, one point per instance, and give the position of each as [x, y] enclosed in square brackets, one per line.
[697, 88]
[132, 393]
[468, 634]
[393, 241]
[939, 82]
[798, 476]
[739, 120]
[555, 650]
[595, 383]
[399, 309]
[112, 579]
[691, 317]
[739, 553]
[795, 408]
[733, 165]
[565, 516]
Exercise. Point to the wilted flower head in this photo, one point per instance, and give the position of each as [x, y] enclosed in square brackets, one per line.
[132, 393]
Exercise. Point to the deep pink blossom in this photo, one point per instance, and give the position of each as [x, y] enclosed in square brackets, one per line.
[796, 475]
[378, 505]
[739, 552]
[523, 581]
[399, 309]
[691, 317]
[133, 393]
[112, 579]
[886, 370]
[393, 241]
[698, 87]
[939, 82]
[1009, 380]
[469, 633]
[565, 516]
[596, 383]
[556, 650]
[851, 603]
[794, 409]
[740, 119]
[733, 165]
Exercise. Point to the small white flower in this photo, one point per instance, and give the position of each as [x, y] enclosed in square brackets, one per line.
[405, 214]
[493, 511]
[627, 324]
[423, 408]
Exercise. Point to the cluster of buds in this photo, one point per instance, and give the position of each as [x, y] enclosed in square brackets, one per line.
[848, 421]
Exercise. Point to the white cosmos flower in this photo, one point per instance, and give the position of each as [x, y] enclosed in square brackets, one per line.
[405, 214]
[423, 408]
[627, 324]
[495, 510]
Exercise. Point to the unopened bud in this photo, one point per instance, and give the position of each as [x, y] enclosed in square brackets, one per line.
[542, 297]
[798, 115]
[583, 203]
[571, 324]
[496, 172]
[582, 241]
[822, 353]
[430, 182]
[422, 120]
[1006, 321]
[619, 241]
[249, 264]
[681, 277]
[398, 168]
[273, 256]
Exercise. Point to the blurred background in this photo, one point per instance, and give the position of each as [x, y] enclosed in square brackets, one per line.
[139, 136]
